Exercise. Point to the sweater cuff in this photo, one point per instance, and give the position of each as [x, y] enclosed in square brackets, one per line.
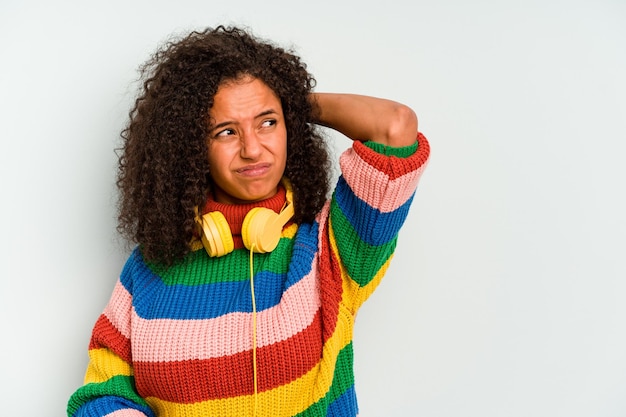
[400, 152]
[394, 162]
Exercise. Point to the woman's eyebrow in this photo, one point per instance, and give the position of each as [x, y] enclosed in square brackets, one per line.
[229, 122]
[223, 124]
[265, 113]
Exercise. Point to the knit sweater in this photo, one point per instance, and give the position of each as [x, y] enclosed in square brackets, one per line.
[178, 341]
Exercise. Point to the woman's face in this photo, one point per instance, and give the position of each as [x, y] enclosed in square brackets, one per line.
[247, 141]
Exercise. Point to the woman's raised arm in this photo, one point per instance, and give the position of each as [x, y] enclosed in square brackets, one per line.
[366, 118]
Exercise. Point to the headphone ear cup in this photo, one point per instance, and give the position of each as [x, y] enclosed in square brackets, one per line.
[216, 236]
[261, 230]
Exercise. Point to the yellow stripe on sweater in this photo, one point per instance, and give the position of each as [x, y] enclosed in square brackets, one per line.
[104, 364]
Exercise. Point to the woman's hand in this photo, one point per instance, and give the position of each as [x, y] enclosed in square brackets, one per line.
[366, 118]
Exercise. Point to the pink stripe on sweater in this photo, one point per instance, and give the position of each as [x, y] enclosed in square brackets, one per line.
[179, 340]
[127, 412]
[119, 308]
[372, 186]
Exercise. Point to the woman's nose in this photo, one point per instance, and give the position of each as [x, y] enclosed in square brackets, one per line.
[250, 146]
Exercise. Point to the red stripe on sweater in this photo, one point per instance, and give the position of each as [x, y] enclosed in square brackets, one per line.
[230, 376]
[106, 335]
[392, 166]
[330, 285]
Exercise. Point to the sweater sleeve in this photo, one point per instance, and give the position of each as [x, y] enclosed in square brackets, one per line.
[109, 388]
[367, 210]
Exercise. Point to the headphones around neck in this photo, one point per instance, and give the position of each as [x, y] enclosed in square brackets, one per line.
[260, 231]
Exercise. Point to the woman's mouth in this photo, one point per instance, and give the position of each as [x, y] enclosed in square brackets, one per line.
[254, 170]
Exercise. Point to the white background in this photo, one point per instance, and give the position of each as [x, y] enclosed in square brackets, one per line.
[507, 295]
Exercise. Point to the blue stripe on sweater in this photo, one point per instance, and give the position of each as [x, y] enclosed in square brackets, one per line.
[364, 218]
[153, 299]
[344, 405]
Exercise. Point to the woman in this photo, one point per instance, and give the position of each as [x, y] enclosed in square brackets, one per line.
[240, 297]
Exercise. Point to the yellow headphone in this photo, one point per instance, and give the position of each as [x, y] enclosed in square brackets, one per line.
[260, 231]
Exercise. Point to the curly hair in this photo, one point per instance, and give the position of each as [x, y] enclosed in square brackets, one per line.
[163, 172]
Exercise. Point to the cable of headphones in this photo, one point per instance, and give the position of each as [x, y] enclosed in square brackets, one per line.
[254, 335]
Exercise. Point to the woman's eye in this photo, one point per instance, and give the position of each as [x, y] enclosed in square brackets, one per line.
[224, 133]
[268, 123]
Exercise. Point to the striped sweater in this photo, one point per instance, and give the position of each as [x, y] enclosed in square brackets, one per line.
[178, 342]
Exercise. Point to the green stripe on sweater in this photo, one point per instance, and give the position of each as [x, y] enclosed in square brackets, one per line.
[119, 386]
[342, 380]
[198, 268]
[362, 260]
[401, 152]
